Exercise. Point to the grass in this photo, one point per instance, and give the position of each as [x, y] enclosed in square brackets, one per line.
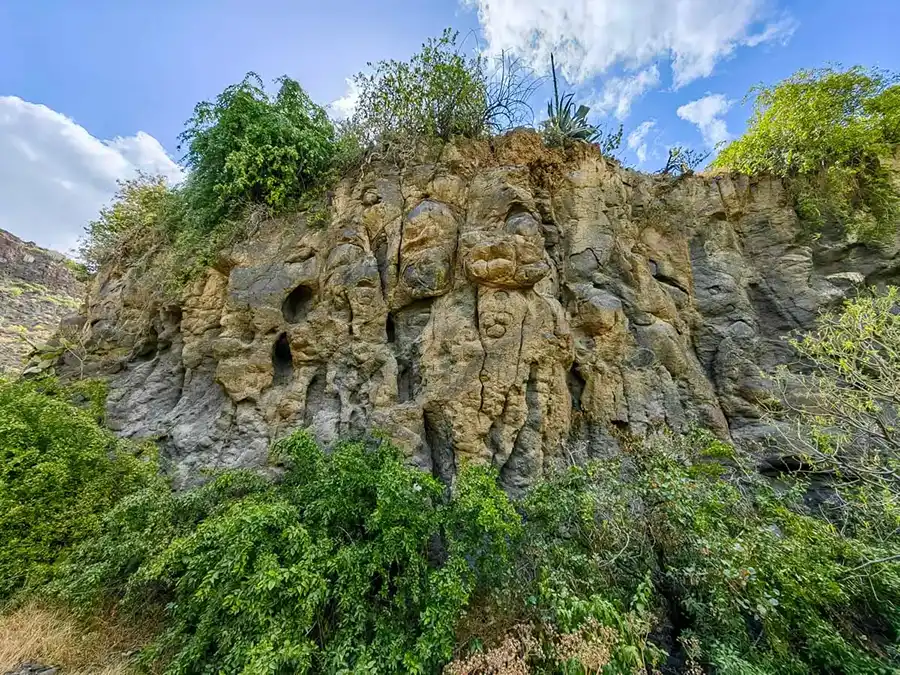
[48, 634]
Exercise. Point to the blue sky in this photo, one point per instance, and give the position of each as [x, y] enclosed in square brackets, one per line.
[92, 91]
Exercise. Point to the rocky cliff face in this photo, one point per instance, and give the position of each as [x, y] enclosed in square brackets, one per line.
[37, 288]
[506, 304]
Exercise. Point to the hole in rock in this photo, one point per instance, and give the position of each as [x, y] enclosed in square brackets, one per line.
[296, 305]
[390, 329]
[282, 361]
[576, 384]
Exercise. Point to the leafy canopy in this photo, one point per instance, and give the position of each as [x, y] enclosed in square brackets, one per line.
[60, 472]
[828, 131]
[248, 146]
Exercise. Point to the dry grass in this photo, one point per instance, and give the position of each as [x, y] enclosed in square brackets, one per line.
[50, 635]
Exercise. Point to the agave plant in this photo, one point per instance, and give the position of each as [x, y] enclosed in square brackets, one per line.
[567, 122]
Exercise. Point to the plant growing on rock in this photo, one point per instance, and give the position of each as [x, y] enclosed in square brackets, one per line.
[845, 405]
[683, 161]
[440, 93]
[248, 146]
[567, 123]
[131, 225]
[829, 132]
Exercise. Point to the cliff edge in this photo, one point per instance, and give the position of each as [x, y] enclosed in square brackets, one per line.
[507, 304]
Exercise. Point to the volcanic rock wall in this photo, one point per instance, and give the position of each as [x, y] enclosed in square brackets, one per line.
[506, 304]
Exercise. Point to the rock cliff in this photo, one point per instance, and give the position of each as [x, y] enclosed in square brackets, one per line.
[506, 304]
[37, 288]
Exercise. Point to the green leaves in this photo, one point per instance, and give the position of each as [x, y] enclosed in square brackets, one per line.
[60, 472]
[248, 147]
[828, 132]
[353, 561]
[565, 123]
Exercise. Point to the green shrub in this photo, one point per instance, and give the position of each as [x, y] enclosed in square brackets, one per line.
[437, 94]
[132, 225]
[755, 581]
[845, 403]
[828, 132]
[60, 472]
[250, 147]
[352, 561]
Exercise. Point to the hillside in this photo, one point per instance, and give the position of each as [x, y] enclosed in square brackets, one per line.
[38, 288]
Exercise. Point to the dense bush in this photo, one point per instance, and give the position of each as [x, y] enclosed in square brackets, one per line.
[440, 93]
[60, 472]
[828, 132]
[352, 562]
[749, 579]
[250, 147]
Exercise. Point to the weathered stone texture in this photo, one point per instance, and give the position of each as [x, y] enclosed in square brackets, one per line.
[509, 305]
[37, 289]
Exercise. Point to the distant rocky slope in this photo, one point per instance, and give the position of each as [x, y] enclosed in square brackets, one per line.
[507, 304]
[37, 289]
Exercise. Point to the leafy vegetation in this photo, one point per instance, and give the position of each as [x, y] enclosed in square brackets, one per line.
[828, 131]
[60, 472]
[439, 93]
[565, 123]
[250, 147]
[354, 562]
[131, 225]
[683, 161]
[845, 407]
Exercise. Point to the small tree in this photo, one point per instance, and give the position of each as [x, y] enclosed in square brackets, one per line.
[440, 93]
[827, 131]
[846, 405]
[248, 146]
[130, 225]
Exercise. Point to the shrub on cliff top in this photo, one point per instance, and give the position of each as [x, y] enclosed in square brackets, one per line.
[439, 93]
[828, 132]
[248, 146]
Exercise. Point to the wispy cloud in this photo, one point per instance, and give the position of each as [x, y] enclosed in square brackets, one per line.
[707, 114]
[638, 139]
[619, 93]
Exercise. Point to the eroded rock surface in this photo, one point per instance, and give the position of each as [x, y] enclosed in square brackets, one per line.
[505, 305]
[37, 289]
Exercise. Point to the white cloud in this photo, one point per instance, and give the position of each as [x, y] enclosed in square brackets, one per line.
[55, 176]
[344, 107]
[620, 92]
[707, 113]
[637, 139]
[590, 36]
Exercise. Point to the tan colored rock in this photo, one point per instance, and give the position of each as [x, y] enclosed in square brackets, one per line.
[509, 305]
